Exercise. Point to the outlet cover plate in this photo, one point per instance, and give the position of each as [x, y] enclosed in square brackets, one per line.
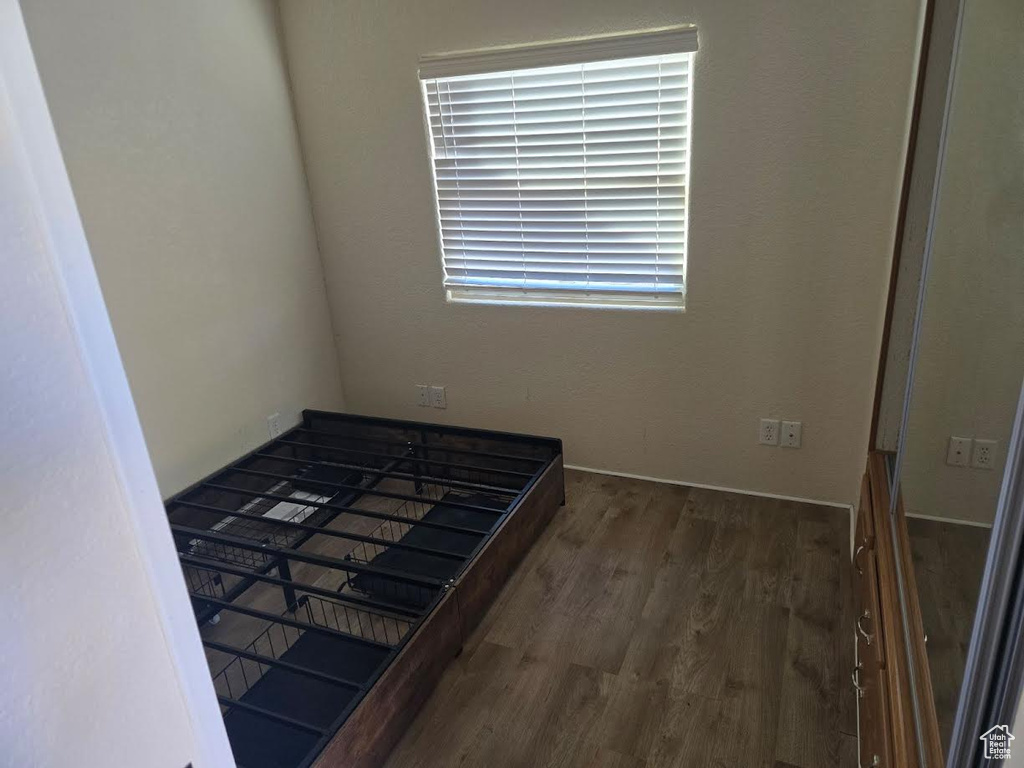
[769, 432]
[438, 399]
[984, 454]
[791, 434]
[959, 453]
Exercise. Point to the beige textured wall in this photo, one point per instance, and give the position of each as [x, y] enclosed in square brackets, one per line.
[176, 126]
[800, 120]
[971, 359]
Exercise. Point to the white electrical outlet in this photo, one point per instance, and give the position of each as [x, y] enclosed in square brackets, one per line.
[984, 454]
[790, 436]
[274, 424]
[959, 453]
[423, 395]
[438, 398]
[769, 432]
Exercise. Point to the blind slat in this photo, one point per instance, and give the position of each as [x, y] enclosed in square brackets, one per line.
[539, 155]
[542, 141]
[529, 81]
[570, 99]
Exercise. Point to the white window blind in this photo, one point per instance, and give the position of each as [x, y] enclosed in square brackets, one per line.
[564, 183]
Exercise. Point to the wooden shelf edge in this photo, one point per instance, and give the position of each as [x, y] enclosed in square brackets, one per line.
[899, 656]
[925, 693]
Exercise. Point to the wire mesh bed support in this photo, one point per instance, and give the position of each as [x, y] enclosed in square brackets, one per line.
[319, 561]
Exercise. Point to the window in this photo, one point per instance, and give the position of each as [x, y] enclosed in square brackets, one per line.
[561, 170]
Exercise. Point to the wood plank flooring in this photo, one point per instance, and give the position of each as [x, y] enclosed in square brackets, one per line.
[651, 626]
[949, 561]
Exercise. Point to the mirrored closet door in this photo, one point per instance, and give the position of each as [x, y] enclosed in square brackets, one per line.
[967, 349]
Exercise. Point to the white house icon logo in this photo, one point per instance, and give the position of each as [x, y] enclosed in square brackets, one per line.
[997, 742]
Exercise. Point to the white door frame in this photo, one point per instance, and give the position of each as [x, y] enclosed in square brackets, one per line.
[73, 267]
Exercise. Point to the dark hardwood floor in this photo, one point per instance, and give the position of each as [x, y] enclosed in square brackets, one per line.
[656, 625]
[949, 560]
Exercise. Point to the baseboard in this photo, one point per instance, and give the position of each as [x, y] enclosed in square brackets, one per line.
[954, 520]
[705, 486]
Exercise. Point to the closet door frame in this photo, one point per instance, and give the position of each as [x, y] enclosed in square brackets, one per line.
[928, 745]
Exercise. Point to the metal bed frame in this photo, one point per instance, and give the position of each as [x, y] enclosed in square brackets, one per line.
[313, 560]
